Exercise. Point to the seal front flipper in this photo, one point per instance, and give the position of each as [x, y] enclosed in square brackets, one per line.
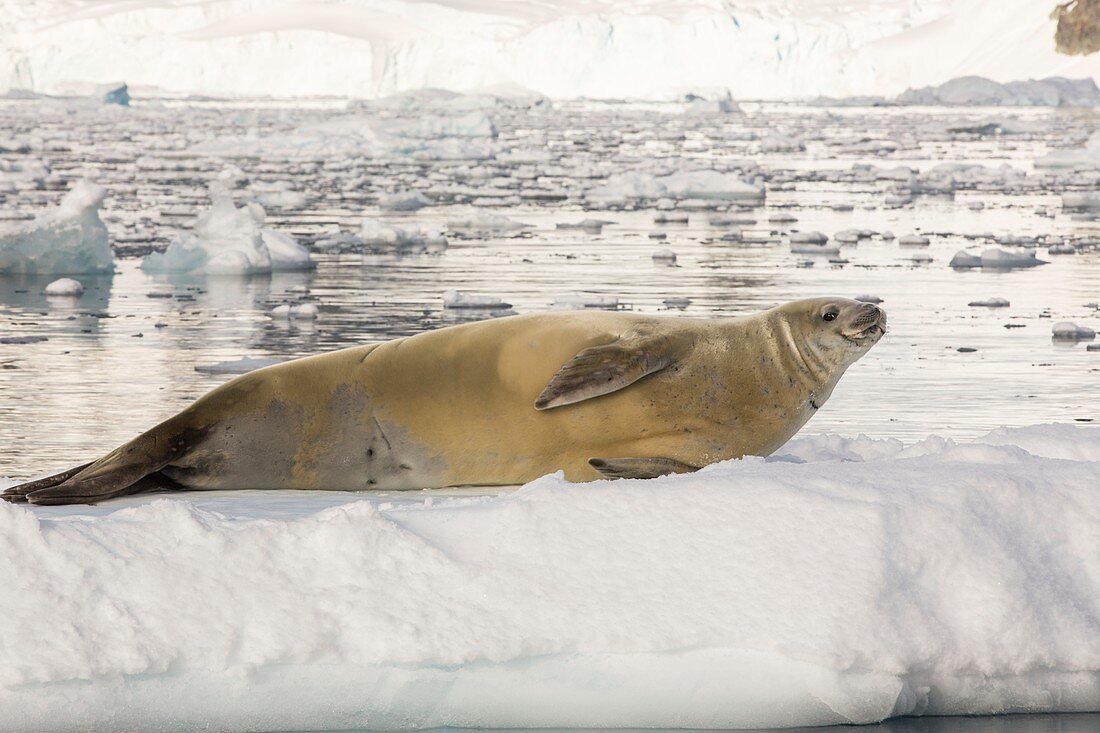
[639, 467]
[600, 370]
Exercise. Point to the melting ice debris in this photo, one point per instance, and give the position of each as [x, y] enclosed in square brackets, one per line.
[778, 142]
[664, 256]
[460, 299]
[921, 258]
[1072, 332]
[711, 184]
[230, 241]
[431, 136]
[67, 239]
[812, 243]
[278, 195]
[1064, 248]
[913, 240]
[593, 226]
[238, 366]
[965, 260]
[1081, 200]
[22, 173]
[403, 201]
[671, 218]
[379, 236]
[782, 218]
[868, 299]
[989, 303]
[676, 302]
[485, 222]
[65, 287]
[887, 236]
[581, 301]
[1086, 158]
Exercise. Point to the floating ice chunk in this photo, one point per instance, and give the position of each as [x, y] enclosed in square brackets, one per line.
[1080, 200]
[921, 258]
[22, 173]
[378, 236]
[403, 201]
[964, 260]
[591, 225]
[898, 199]
[65, 286]
[989, 303]
[580, 301]
[116, 93]
[782, 218]
[230, 241]
[711, 184]
[278, 195]
[913, 240]
[622, 188]
[67, 239]
[280, 312]
[285, 252]
[722, 103]
[868, 299]
[1072, 332]
[305, 311]
[485, 222]
[459, 299]
[238, 366]
[781, 143]
[887, 236]
[673, 218]
[666, 256]
[1062, 249]
[813, 237]
[1000, 259]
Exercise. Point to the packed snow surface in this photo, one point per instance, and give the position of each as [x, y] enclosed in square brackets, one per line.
[844, 580]
[563, 48]
[65, 240]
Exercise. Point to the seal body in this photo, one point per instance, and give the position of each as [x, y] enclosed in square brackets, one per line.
[502, 402]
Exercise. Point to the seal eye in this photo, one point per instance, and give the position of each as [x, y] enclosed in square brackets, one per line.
[830, 316]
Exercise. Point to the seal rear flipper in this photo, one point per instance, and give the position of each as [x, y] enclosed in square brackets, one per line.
[19, 493]
[93, 484]
[639, 467]
[600, 370]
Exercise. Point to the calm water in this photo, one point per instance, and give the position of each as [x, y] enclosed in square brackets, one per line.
[124, 356]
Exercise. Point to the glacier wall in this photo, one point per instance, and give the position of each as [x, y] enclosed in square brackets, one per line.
[563, 48]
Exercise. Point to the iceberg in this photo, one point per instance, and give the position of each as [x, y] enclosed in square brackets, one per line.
[69, 239]
[1053, 91]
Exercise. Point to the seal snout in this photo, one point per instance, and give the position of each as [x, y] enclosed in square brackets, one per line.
[869, 319]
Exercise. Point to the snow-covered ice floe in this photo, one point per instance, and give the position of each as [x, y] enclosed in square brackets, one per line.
[844, 580]
[230, 241]
[68, 239]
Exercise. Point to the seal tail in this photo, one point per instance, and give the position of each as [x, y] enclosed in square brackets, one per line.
[128, 469]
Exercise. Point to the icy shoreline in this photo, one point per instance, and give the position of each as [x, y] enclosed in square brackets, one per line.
[870, 580]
